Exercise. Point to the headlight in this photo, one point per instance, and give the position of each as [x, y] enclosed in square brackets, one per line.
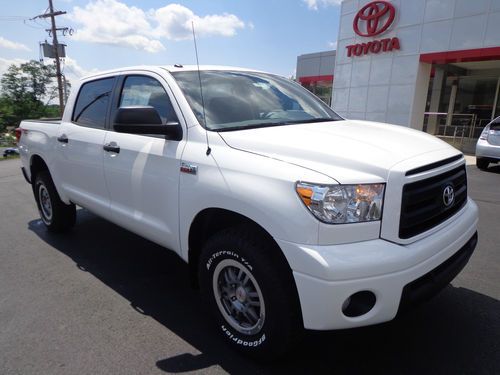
[341, 204]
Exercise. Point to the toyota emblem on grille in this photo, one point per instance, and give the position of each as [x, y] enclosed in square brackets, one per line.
[448, 195]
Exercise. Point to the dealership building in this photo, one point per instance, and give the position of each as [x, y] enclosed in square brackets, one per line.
[432, 65]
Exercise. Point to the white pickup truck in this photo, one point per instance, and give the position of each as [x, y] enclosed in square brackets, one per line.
[289, 216]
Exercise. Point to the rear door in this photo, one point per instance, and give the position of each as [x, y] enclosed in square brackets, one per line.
[142, 174]
[80, 143]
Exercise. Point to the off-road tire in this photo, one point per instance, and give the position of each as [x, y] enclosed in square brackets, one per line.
[482, 164]
[282, 325]
[56, 215]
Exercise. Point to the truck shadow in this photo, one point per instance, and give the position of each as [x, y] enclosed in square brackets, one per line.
[457, 332]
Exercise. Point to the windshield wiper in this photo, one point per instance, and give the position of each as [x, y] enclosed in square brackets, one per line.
[276, 123]
[319, 119]
[254, 126]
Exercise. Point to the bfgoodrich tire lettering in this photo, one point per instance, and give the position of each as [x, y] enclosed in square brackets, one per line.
[250, 292]
[55, 214]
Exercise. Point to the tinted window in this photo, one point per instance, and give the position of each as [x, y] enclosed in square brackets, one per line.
[495, 124]
[92, 103]
[241, 100]
[147, 91]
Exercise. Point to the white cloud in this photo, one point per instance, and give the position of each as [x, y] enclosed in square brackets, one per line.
[332, 45]
[70, 68]
[73, 71]
[5, 43]
[5, 63]
[115, 23]
[314, 4]
[174, 22]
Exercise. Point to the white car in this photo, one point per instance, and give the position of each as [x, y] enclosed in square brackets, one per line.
[488, 145]
[289, 216]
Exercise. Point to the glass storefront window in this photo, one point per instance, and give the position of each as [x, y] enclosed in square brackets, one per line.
[497, 109]
[461, 100]
[322, 89]
[475, 98]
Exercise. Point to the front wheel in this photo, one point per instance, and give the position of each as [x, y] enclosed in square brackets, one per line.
[482, 163]
[55, 214]
[250, 292]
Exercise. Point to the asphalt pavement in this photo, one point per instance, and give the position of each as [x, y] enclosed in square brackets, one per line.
[101, 300]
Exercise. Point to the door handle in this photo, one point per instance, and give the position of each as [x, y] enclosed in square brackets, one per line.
[111, 147]
[63, 138]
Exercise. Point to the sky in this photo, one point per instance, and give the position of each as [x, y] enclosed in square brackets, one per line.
[260, 34]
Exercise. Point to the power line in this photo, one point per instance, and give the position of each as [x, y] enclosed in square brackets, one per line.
[13, 18]
[33, 27]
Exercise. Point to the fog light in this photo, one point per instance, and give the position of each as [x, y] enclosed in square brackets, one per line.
[359, 304]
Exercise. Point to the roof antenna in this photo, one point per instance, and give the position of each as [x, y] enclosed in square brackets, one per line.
[209, 150]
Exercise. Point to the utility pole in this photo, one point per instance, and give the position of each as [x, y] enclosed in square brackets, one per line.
[55, 45]
[65, 88]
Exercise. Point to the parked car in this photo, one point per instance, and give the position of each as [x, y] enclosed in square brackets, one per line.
[488, 145]
[11, 151]
[289, 215]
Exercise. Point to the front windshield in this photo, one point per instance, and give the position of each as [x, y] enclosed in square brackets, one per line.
[242, 100]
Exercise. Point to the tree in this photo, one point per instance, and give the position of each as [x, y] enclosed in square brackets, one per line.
[26, 92]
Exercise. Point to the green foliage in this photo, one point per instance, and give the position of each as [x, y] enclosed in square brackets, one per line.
[26, 91]
[7, 139]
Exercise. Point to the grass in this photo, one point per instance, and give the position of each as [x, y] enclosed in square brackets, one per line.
[7, 144]
[9, 157]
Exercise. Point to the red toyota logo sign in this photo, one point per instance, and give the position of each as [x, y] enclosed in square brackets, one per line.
[374, 18]
[371, 20]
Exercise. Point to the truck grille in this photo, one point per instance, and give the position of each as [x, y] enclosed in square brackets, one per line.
[423, 206]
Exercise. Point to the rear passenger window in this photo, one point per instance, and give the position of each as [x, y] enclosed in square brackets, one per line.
[495, 125]
[147, 91]
[92, 103]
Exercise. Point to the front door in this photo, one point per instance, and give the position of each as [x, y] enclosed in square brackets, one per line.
[142, 173]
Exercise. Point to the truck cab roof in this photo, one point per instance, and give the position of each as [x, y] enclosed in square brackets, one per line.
[169, 68]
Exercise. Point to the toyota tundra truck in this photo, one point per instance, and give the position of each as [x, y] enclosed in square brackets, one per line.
[289, 216]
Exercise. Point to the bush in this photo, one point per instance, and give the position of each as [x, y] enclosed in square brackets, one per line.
[7, 139]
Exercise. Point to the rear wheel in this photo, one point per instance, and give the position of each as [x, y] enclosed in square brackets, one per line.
[482, 163]
[250, 292]
[55, 214]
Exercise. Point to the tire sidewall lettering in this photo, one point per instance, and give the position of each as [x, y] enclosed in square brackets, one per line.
[238, 341]
[230, 254]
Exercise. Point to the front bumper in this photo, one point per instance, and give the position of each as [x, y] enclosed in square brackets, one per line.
[432, 282]
[326, 276]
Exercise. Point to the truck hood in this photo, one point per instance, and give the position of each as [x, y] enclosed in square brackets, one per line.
[352, 149]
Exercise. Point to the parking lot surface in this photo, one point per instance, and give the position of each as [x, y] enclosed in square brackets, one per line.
[101, 300]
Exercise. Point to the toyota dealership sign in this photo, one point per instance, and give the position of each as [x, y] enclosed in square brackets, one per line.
[374, 19]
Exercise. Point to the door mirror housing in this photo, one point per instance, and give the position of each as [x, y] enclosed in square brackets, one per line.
[145, 120]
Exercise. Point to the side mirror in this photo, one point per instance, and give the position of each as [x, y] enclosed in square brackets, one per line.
[145, 120]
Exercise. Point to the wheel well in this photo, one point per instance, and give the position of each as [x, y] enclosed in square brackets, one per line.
[211, 221]
[37, 165]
